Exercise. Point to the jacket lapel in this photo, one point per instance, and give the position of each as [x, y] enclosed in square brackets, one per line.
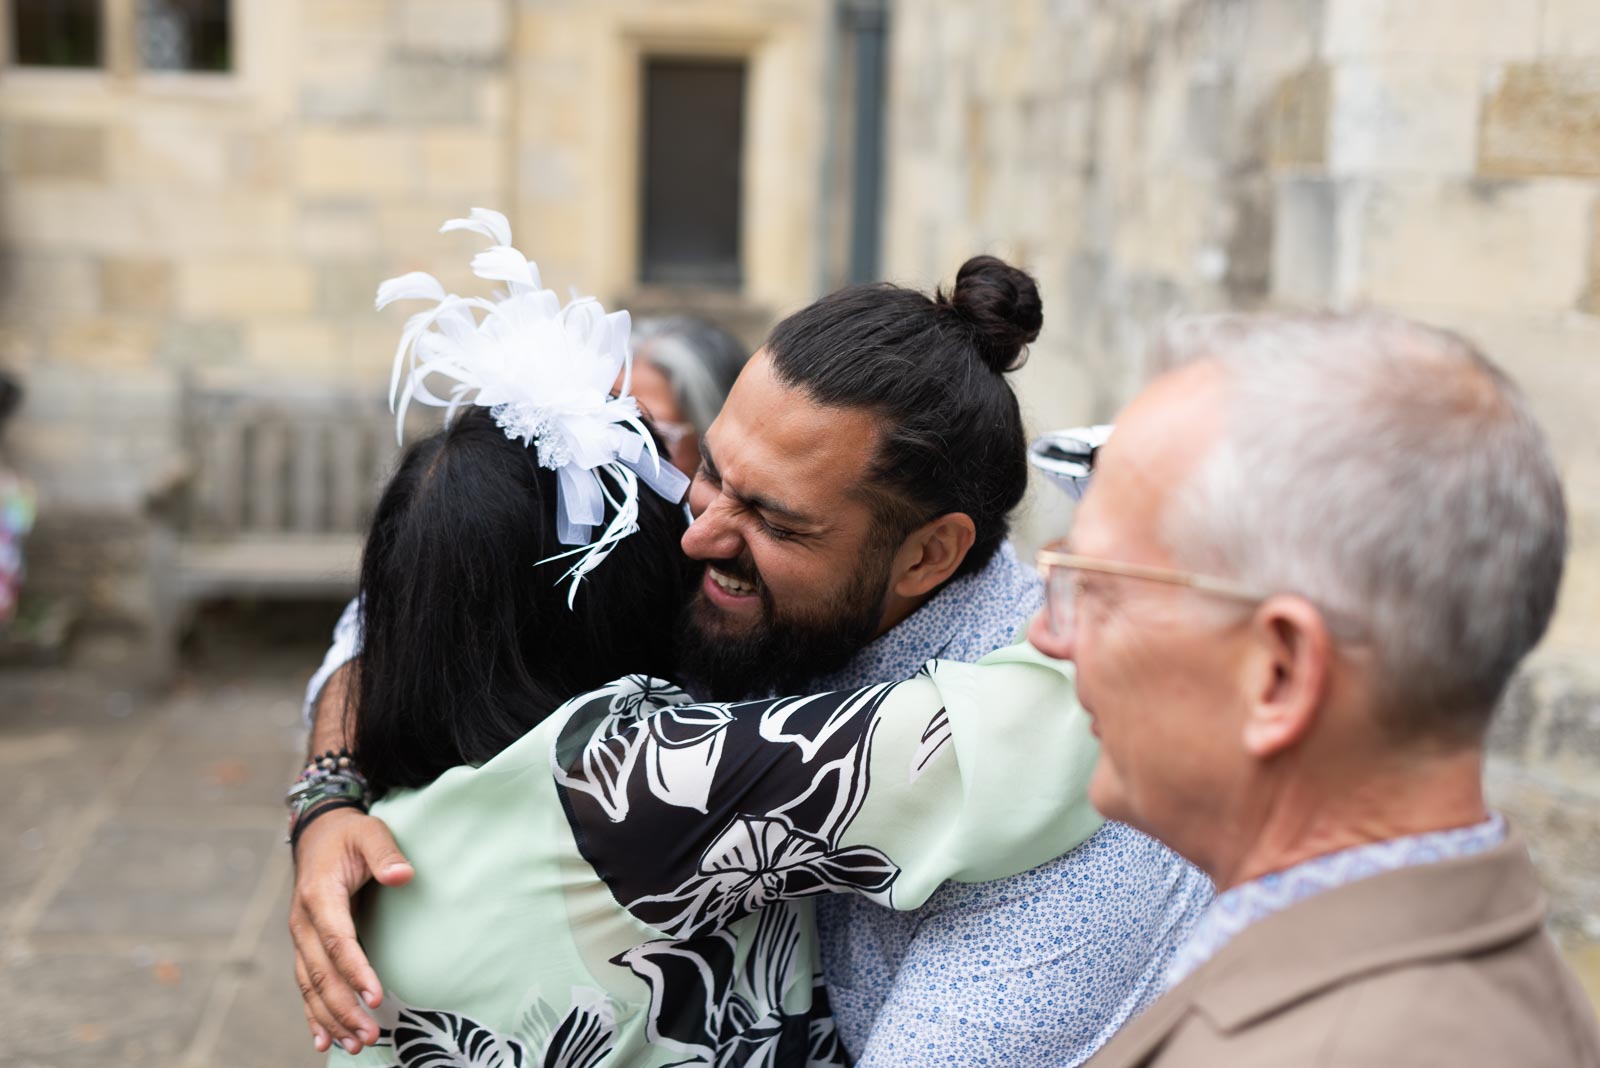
[1426, 912]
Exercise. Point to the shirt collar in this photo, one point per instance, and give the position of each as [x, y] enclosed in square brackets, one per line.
[970, 617]
[1253, 901]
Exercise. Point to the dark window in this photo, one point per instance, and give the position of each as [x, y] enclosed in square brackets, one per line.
[56, 33]
[693, 144]
[185, 35]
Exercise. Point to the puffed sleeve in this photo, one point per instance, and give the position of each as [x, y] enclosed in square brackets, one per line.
[698, 814]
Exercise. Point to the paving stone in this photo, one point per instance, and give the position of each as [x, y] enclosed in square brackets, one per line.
[151, 881]
[265, 1026]
[94, 1009]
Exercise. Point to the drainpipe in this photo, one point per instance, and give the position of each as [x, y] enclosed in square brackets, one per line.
[866, 23]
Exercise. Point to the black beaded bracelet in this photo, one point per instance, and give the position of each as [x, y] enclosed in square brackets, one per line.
[305, 819]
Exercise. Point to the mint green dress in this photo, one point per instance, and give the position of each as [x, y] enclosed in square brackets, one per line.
[632, 882]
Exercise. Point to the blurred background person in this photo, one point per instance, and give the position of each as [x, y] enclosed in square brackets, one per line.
[16, 510]
[683, 368]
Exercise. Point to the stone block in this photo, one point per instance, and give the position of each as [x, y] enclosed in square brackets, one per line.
[258, 158]
[1494, 246]
[358, 162]
[173, 150]
[347, 287]
[57, 150]
[253, 222]
[189, 343]
[338, 228]
[104, 343]
[136, 286]
[41, 286]
[302, 344]
[1460, 29]
[469, 29]
[1298, 125]
[245, 287]
[1403, 116]
[423, 90]
[1571, 28]
[1543, 118]
[341, 80]
[354, 18]
[464, 163]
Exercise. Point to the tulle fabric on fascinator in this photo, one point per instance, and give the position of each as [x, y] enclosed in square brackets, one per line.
[545, 372]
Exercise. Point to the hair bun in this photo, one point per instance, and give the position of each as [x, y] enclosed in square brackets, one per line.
[1000, 305]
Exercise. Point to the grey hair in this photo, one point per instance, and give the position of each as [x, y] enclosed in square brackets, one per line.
[1395, 477]
[699, 358]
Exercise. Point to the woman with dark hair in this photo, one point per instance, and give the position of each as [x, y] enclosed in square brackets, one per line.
[625, 877]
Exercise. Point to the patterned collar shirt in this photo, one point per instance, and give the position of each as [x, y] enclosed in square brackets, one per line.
[1038, 969]
[1257, 899]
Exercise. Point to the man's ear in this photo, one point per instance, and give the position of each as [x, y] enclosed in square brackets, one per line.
[1287, 674]
[931, 553]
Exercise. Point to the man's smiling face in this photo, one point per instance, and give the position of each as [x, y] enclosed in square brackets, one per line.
[797, 572]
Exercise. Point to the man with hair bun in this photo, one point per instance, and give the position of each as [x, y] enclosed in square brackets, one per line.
[1310, 560]
[852, 506]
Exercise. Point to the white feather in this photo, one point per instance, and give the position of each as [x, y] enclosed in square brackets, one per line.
[503, 263]
[418, 285]
[546, 372]
[485, 221]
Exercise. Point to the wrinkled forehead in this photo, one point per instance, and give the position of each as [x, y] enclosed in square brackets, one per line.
[1159, 440]
[772, 435]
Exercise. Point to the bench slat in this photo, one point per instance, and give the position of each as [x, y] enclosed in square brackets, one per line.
[266, 474]
[308, 498]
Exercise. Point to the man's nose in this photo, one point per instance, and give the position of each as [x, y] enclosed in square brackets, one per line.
[713, 535]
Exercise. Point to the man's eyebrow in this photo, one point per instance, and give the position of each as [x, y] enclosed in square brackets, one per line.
[760, 503]
[766, 504]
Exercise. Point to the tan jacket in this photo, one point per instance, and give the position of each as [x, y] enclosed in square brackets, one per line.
[1442, 964]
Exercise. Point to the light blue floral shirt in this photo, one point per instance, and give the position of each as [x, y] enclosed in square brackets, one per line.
[1038, 969]
[1254, 901]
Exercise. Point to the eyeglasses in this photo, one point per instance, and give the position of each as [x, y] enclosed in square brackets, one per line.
[1060, 568]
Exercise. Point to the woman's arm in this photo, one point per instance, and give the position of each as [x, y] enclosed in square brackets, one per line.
[697, 815]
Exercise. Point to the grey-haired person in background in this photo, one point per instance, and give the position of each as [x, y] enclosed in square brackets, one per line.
[682, 372]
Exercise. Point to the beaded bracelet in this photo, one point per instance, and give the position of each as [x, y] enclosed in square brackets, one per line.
[298, 827]
[331, 777]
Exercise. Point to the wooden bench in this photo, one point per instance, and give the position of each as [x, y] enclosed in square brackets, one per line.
[273, 501]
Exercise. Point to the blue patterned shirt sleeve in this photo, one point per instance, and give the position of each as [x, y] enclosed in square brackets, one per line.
[1041, 968]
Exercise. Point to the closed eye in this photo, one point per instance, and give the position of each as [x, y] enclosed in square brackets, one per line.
[776, 533]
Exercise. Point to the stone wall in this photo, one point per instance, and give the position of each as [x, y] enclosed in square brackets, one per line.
[1145, 157]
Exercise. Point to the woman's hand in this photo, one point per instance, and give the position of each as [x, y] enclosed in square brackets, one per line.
[334, 858]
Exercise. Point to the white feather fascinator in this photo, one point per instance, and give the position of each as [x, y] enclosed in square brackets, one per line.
[545, 372]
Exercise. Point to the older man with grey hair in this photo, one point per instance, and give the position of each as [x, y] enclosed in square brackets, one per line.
[1311, 557]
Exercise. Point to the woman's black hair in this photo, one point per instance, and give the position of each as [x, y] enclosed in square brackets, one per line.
[934, 370]
[467, 640]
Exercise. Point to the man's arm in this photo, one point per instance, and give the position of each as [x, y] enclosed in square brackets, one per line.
[1040, 968]
[334, 857]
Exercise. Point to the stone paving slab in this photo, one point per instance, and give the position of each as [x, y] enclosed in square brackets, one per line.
[143, 880]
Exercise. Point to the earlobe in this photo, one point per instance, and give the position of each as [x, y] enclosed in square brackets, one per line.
[1288, 675]
[931, 554]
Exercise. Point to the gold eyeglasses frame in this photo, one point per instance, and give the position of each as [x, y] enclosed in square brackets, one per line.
[1054, 555]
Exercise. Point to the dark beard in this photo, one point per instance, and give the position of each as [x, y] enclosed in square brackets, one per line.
[782, 652]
